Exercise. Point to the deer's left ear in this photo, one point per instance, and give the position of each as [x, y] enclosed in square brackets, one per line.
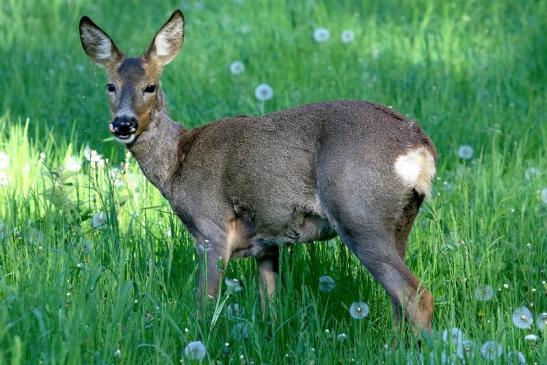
[168, 40]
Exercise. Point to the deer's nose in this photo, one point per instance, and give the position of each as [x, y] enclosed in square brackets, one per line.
[124, 125]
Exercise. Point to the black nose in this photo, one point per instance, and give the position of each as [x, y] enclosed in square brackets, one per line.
[124, 125]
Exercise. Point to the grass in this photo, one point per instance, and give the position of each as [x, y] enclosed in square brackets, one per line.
[119, 287]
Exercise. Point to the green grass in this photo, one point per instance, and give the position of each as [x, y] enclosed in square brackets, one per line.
[472, 73]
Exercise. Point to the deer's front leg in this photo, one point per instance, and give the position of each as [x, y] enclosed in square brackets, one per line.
[211, 272]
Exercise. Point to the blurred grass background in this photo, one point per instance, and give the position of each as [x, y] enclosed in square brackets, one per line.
[471, 72]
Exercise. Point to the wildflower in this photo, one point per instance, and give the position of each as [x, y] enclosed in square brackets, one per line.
[484, 293]
[516, 358]
[453, 336]
[321, 35]
[241, 331]
[347, 36]
[205, 246]
[73, 164]
[195, 350]
[233, 285]
[522, 317]
[531, 338]
[4, 161]
[544, 195]
[117, 353]
[326, 283]
[4, 180]
[491, 350]
[466, 349]
[342, 337]
[465, 152]
[42, 156]
[264, 92]
[358, 310]
[99, 220]
[541, 318]
[531, 173]
[237, 67]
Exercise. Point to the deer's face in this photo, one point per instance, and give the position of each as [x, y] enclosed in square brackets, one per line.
[133, 82]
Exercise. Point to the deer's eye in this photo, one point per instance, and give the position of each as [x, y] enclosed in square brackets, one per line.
[150, 88]
[111, 88]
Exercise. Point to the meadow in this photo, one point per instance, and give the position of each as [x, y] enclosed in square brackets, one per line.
[95, 269]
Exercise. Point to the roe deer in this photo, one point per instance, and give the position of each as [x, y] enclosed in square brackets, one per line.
[247, 185]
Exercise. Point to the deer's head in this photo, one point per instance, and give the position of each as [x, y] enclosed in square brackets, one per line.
[133, 82]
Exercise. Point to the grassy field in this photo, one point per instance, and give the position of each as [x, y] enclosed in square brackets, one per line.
[94, 268]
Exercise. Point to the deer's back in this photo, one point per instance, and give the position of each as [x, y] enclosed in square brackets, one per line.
[268, 167]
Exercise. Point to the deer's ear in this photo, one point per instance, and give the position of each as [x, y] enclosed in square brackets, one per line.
[168, 40]
[97, 44]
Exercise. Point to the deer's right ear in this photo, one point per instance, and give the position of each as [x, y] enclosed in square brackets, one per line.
[97, 44]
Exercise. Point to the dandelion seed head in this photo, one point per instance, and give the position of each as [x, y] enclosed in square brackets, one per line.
[484, 293]
[466, 349]
[358, 310]
[347, 36]
[516, 357]
[531, 173]
[195, 350]
[241, 331]
[326, 283]
[233, 285]
[321, 35]
[237, 67]
[541, 318]
[453, 336]
[465, 152]
[264, 92]
[522, 318]
[491, 350]
[99, 220]
[531, 338]
[544, 195]
[117, 353]
[342, 337]
[73, 164]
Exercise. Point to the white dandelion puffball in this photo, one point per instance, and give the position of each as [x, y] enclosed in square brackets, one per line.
[326, 283]
[342, 337]
[347, 36]
[531, 173]
[321, 35]
[531, 338]
[358, 310]
[4, 160]
[453, 336]
[522, 318]
[73, 164]
[466, 349]
[233, 284]
[264, 92]
[241, 331]
[4, 179]
[465, 152]
[544, 195]
[484, 293]
[195, 350]
[491, 350]
[516, 358]
[237, 67]
[99, 220]
[541, 320]
[205, 246]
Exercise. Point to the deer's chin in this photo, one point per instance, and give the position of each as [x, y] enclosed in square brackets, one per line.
[126, 139]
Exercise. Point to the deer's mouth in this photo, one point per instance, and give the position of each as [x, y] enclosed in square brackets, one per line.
[123, 136]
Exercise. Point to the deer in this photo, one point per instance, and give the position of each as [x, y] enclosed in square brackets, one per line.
[246, 186]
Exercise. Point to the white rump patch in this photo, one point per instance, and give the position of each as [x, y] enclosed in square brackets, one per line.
[417, 169]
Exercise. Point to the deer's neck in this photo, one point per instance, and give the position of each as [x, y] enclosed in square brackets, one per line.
[156, 149]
